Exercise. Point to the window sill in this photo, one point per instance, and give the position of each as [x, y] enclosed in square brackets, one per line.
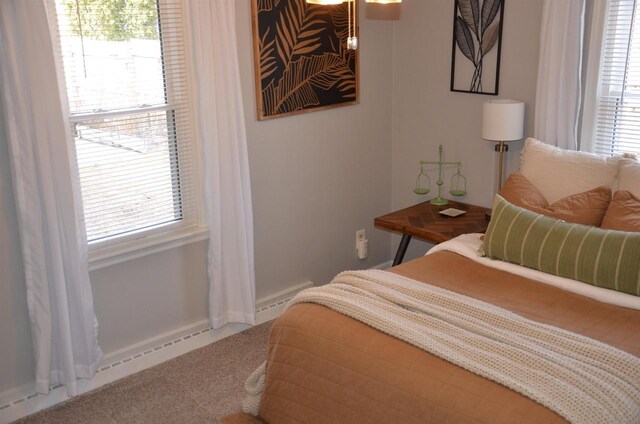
[102, 257]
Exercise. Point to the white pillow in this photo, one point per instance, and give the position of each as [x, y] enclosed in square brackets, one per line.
[629, 177]
[559, 173]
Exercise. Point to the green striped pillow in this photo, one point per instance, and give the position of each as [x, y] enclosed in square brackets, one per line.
[603, 258]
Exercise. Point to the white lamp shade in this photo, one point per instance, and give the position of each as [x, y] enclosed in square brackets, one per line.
[503, 120]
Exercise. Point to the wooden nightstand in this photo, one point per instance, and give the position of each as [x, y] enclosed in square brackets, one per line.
[424, 222]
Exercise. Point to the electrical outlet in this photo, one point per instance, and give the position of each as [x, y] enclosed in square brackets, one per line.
[362, 244]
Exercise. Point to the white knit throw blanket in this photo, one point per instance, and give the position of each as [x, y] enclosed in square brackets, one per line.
[581, 379]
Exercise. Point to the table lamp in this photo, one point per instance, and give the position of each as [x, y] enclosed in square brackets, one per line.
[502, 121]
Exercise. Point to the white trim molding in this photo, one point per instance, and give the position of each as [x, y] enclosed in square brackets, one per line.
[22, 401]
[383, 266]
[104, 254]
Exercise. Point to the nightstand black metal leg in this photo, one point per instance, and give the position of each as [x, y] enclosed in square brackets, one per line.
[402, 249]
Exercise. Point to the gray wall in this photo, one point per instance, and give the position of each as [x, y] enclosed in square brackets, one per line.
[426, 113]
[316, 179]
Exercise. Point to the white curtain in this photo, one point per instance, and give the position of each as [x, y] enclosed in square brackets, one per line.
[558, 92]
[222, 142]
[592, 81]
[54, 247]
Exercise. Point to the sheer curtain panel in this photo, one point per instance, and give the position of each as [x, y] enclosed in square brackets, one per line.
[45, 180]
[222, 144]
[558, 92]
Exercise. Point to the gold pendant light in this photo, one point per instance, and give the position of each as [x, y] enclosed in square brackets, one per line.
[352, 39]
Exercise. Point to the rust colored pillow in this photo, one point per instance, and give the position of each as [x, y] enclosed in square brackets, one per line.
[587, 208]
[623, 213]
[519, 191]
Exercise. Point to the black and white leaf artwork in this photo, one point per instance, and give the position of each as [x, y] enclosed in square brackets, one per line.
[489, 11]
[490, 38]
[477, 31]
[465, 40]
[470, 12]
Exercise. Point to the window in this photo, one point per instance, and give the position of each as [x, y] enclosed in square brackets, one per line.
[125, 79]
[617, 106]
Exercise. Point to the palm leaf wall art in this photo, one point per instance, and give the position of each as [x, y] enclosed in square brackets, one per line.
[477, 44]
[301, 60]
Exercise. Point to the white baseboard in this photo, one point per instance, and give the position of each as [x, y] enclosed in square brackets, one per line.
[281, 296]
[22, 401]
[383, 266]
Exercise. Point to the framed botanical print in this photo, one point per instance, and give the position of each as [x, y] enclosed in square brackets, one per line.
[301, 60]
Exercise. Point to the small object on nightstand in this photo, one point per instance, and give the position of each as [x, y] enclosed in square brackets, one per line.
[423, 182]
[458, 184]
[452, 212]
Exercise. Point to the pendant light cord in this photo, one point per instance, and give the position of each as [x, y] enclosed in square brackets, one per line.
[349, 15]
[355, 20]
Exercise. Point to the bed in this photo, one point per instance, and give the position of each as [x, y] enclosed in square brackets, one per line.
[325, 367]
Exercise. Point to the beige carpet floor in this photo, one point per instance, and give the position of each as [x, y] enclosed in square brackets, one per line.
[199, 387]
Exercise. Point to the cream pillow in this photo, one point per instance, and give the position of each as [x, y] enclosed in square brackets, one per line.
[559, 173]
[629, 177]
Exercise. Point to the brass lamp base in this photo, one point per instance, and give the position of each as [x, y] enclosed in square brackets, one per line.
[501, 148]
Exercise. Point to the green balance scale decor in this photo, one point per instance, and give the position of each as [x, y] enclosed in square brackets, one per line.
[423, 182]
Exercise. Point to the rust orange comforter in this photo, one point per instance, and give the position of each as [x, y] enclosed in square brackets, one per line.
[324, 367]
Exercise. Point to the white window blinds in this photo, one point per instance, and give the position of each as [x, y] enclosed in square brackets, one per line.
[617, 114]
[125, 77]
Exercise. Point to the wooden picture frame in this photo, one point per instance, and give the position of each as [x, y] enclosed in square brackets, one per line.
[301, 60]
[477, 46]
